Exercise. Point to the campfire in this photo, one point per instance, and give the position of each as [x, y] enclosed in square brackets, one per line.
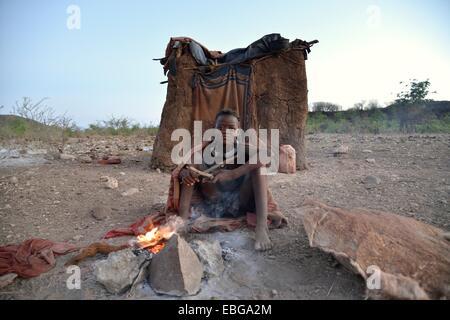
[155, 237]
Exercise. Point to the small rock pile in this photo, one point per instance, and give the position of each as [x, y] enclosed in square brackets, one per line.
[177, 270]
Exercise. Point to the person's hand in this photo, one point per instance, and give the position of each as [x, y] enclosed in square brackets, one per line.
[223, 175]
[188, 177]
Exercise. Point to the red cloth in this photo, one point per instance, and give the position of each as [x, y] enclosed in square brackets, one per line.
[139, 227]
[32, 257]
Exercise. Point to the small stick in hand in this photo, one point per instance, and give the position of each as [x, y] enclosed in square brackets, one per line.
[200, 173]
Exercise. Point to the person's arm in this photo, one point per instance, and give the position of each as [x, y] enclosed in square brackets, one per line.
[226, 175]
[188, 177]
[252, 164]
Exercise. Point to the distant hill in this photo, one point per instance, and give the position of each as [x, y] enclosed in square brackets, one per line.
[428, 117]
[8, 119]
[12, 126]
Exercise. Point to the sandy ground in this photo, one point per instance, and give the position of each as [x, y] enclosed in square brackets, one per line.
[52, 199]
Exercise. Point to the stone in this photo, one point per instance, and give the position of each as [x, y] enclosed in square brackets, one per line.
[371, 181]
[73, 140]
[7, 279]
[411, 258]
[36, 151]
[176, 270]
[118, 272]
[51, 156]
[210, 254]
[78, 237]
[66, 156]
[14, 154]
[370, 160]
[110, 160]
[14, 180]
[367, 151]
[446, 236]
[100, 213]
[110, 183]
[130, 192]
[4, 153]
[341, 150]
[85, 159]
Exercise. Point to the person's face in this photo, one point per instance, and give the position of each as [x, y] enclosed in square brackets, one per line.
[227, 122]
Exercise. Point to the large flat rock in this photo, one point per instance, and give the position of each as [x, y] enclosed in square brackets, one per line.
[411, 258]
[176, 270]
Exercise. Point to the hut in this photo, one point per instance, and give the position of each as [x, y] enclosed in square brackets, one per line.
[264, 83]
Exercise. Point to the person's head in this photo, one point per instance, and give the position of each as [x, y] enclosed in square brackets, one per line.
[227, 119]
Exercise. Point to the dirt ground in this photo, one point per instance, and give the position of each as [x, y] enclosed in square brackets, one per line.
[48, 198]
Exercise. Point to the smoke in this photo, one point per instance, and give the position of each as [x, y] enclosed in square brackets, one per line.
[173, 225]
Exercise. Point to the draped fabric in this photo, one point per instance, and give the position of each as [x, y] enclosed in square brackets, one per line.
[227, 87]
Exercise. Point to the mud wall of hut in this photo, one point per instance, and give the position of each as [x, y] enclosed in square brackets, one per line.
[279, 89]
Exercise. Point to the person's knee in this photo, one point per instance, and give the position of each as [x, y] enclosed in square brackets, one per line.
[257, 177]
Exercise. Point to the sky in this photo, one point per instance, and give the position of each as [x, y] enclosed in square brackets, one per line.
[93, 58]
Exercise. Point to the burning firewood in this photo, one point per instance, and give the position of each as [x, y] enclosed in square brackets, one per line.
[92, 250]
[154, 237]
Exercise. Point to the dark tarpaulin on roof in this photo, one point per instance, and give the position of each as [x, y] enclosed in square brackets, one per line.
[269, 44]
[266, 45]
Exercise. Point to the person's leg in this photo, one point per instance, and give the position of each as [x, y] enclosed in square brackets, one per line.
[185, 200]
[259, 186]
[246, 198]
[191, 195]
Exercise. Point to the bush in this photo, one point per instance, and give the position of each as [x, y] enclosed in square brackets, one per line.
[121, 126]
[325, 107]
[399, 117]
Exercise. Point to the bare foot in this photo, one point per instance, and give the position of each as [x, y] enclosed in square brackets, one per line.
[262, 241]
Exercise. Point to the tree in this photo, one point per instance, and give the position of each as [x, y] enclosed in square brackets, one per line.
[415, 92]
[359, 106]
[66, 124]
[325, 107]
[35, 111]
[372, 105]
[364, 105]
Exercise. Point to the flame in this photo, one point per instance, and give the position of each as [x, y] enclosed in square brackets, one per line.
[155, 239]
